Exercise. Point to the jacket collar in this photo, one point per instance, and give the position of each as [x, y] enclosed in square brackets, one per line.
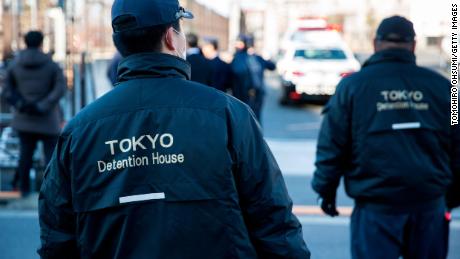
[391, 56]
[152, 65]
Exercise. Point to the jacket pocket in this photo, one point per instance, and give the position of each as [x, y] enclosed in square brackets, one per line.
[160, 216]
[407, 157]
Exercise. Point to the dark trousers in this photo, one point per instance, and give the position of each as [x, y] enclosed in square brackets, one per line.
[421, 235]
[256, 103]
[28, 143]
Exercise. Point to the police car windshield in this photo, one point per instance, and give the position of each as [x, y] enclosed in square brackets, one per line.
[320, 54]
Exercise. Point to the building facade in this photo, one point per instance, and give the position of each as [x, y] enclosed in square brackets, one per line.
[207, 23]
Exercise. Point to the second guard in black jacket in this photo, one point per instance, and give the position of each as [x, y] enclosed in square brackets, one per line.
[387, 131]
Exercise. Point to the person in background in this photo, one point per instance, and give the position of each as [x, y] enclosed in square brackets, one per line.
[259, 66]
[34, 86]
[202, 71]
[248, 73]
[242, 78]
[387, 131]
[222, 71]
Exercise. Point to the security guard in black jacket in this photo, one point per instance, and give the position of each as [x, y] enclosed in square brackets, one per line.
[162, 167]
[387, 131]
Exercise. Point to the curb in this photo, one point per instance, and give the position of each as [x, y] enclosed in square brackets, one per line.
[316, 211]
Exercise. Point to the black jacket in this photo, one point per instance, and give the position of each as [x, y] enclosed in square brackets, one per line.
[202, 70]
[387, 130]
[248, 74]
[34, 80]
[209, 185]
[222, 74]
[242, 76]
[263, 65]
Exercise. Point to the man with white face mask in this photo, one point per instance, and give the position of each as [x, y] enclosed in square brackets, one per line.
[182, 54]
[162, 167]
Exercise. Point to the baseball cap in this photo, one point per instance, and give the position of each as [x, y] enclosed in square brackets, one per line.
[396, 29]
[137, 14]
[247, 39]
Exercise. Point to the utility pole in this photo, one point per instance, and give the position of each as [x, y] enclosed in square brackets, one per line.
[15, 30]
[33, 14]
[6, 28]
[235, 22]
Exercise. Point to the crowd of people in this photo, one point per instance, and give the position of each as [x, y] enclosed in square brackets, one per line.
[243, 76]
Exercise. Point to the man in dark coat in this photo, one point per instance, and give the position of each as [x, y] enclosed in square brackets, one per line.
[162, 167]
[222, 71]
[248, 75]
[34, 86]
[202, 71]
[259, 65]
[387, 131]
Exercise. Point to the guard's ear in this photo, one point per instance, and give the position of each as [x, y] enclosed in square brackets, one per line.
[375, 44]
[414, 45]
[169, 39]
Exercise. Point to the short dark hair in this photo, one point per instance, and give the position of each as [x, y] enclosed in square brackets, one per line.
[192, 40]
[142, 40]
[214, 42]
[33, 39]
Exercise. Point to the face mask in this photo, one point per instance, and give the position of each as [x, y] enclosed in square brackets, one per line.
[182, 54]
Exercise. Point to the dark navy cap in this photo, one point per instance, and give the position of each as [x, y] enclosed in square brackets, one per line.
[137, 14]
[247, 39]
[211, 40]
[396, 29]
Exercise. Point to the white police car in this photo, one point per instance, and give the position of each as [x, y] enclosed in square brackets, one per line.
[310, 72]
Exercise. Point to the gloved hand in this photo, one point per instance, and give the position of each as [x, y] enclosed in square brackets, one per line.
[453, 196]
[328, 206]
[18, 104]
[13, 98]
